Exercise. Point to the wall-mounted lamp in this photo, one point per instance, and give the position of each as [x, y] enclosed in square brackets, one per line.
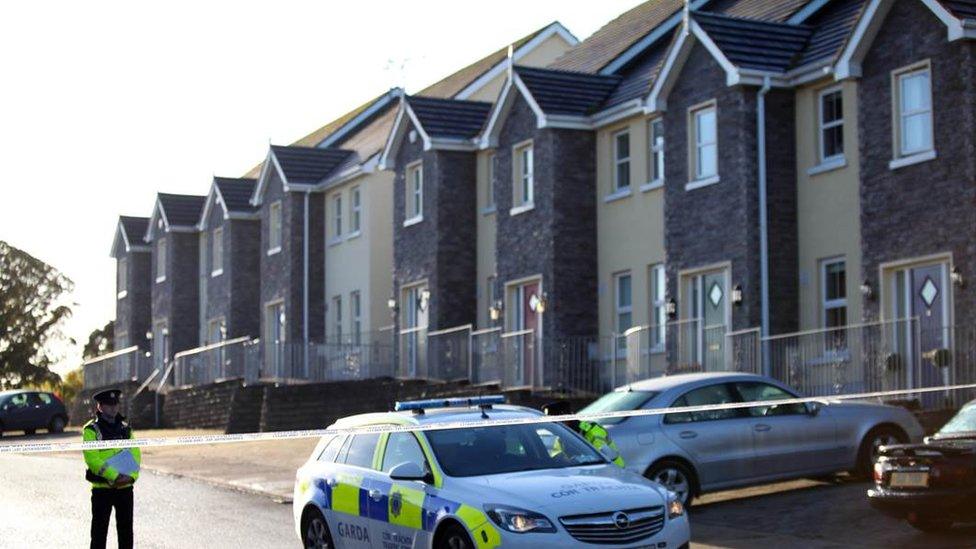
[495, 310]
[149, 335]
[539, 303]
[281, 319]
[424, 300]
[737, 295]
[165, 332]
[672, 309]
[957, 278]
[391, 303]
[867, 290]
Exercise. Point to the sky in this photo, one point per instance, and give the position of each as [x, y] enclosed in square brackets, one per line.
[105, 103]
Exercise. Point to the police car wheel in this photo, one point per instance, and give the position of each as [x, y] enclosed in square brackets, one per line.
[453, 537]
[317, 534]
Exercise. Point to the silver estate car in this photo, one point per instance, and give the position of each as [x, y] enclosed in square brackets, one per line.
[697, 452]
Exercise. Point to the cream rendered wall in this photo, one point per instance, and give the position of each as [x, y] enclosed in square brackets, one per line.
[828, 205]
[485, 215]
[540, 56]
[630, 229]
[360, 263]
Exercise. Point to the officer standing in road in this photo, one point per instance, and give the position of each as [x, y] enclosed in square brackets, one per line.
[111, 471]
[594, 433]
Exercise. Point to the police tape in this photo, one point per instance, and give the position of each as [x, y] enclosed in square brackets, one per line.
[386, 427]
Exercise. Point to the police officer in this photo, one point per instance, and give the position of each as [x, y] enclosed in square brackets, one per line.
[111, 471]
[594, 433]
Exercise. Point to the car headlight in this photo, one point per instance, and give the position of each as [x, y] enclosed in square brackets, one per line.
[518, 520]
[675, 507]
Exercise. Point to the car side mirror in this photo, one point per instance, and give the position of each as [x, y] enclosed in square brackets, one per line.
[609, 453]
[409, 470]
[813, 408]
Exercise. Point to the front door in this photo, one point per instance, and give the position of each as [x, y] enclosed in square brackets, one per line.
[707, 302]
[526, 327]
[274, 340]
[922, 293]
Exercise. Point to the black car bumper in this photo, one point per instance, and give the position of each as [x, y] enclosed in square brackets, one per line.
[953, 504]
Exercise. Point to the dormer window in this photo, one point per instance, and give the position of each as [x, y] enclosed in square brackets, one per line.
[274, 227]
[523, 190]
[414, 195]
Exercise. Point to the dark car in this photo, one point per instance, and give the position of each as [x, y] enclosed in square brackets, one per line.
[29, 411]
[932, 485]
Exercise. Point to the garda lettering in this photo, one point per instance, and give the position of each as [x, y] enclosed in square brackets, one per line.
[353, 531]
[394, 540]
[568, 490]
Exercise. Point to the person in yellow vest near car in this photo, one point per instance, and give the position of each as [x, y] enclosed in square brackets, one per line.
[594, 433]
[111, 471]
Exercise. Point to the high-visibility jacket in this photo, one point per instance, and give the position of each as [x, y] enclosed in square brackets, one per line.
[598, 436]
[100, 473]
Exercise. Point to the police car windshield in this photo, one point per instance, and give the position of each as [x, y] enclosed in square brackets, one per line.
[619, 401]
[510, 448]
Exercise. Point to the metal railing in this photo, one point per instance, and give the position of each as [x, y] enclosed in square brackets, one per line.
[225, 360]
[412, 350]
[449, 354]
[487, 363]
[522, 360]
[129, 364]
[285, 361]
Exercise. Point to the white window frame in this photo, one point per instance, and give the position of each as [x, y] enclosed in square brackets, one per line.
[618, 161]
[823, 126]
[414, 196]
[161, 252]
[217, 252]
[337, 317]
[906, 157]
[122, 278]
[336, 202]
[655, 156]
[697, 145]
[523, 188]
[355, 211]
[356, 315]
[490, 184]
[274, 227]
[618, 308]
[659, 305]
[831, 304]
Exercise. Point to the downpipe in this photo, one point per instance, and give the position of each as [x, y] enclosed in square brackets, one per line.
[305, 288]
[763, 226]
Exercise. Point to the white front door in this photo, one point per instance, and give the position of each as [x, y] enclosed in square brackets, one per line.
[707, 303]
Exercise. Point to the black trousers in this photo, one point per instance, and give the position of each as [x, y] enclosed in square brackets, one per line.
[103, 500]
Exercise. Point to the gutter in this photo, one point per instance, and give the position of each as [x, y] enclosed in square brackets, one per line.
[763, 227]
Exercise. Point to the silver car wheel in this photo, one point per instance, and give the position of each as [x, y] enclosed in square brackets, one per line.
[675, 480]
[317, 534]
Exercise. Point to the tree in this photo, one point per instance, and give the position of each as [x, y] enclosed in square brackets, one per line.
[32, 310]
[100, 341]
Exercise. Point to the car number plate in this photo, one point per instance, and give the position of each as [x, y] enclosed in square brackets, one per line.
[909, 480]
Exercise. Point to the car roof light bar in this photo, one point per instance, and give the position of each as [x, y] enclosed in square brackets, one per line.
[418, 406]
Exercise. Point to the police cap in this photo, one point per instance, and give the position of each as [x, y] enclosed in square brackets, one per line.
[108, 396]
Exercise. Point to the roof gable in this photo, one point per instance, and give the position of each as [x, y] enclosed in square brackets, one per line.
[175, 213]
[129, 234]
[301, 168]
[451, 124]
[751, 44]
[565, 92]
[233, 196]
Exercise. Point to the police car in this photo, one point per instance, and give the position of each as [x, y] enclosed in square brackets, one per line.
[517, 485]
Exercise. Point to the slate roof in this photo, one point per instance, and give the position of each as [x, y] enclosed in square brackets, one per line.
[777, 11]
[638, 79]
[755, 44]
[308, 165]
[134, 227]
[236, 193]
[832, 27]
[181, 210]
[450, 118]
[565, 92]
[963, 9]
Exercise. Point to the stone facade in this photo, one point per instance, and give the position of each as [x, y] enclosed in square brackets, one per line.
[719, 223]
[557, 238]
[176, 299]
[134, 311]
[926, 208]
[234, 294]
[282, 273]
[441, 248]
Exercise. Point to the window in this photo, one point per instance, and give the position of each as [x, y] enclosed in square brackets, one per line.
[490, 184]
[356, 210]
[361, 450]
[659, 309]
[337, 317]
[712, 394]
[754, 391]
[623, 305]
[217, 255]
[45, 398]
[914, 106]
[355, 312]
[831, 125]
[274, 228]
[161, 260]
[216, 331]
[331, 449]
[337, 216]
[402, 448]
[621, 160]
[123, 267]
[655, 141]
[705, 133]
[524, 190]
[415, 193]
[833, 276]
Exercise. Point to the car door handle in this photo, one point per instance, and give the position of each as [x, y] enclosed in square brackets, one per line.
[687, 434]
[762, 427]
[375, 495]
